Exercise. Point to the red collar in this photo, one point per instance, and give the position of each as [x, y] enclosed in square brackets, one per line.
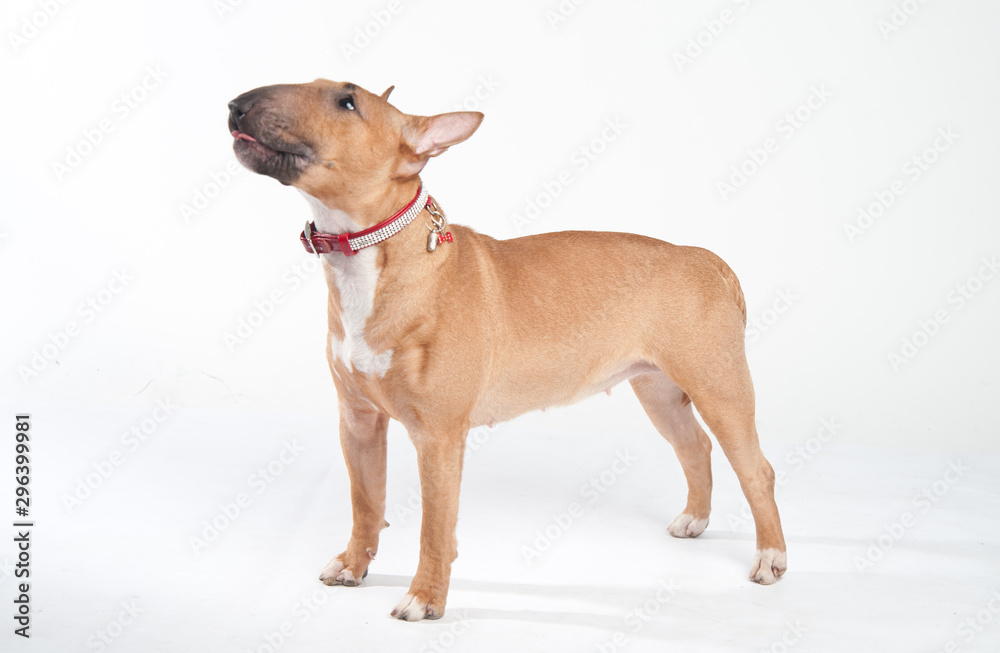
[349, 243]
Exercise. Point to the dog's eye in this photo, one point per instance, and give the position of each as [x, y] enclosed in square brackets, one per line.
[347, 103]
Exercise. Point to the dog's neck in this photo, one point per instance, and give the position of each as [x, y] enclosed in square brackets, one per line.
[400, 268]
[329, 220]
[407, 246]
[344, 215]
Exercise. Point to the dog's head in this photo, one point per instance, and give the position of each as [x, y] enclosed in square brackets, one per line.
[334, 139]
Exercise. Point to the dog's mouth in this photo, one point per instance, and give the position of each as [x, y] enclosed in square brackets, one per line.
[247, 145]
[240, 136]
[285, 162]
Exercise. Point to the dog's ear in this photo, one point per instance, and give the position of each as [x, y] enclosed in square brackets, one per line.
[430, 136]
[386, 92]
[435, 134]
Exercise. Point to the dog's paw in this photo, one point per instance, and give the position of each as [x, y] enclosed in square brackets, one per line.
[768, 566]
[685, 525]
[335, 573]
[417, 606]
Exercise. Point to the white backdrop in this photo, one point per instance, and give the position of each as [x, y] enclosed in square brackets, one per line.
[841, 157]
[849, 105]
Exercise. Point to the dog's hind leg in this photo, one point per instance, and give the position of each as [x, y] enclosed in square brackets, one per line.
[722, 391]
[701, 347]
[670, 411]
[731, 419]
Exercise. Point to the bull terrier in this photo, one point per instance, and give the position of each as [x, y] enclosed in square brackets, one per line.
[444, 329]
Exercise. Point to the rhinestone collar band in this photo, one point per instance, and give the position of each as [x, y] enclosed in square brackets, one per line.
[349, 243]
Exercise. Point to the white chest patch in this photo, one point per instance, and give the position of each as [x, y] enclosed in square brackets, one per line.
[356, 278]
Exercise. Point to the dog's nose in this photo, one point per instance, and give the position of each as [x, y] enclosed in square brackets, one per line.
[240, 107]
[237, 110]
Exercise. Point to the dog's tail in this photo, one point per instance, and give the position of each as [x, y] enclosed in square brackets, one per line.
[733, 284]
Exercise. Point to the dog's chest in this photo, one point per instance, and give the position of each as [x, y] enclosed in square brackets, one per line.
[355, 281]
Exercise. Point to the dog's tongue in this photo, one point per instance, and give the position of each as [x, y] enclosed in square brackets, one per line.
[238, 135]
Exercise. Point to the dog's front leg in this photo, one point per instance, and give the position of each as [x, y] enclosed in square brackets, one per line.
[363, 440]
[439, 458]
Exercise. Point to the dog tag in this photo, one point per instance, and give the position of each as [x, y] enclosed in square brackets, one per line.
[432, 241]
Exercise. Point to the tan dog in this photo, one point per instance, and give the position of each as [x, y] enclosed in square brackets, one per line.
[476, 330]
